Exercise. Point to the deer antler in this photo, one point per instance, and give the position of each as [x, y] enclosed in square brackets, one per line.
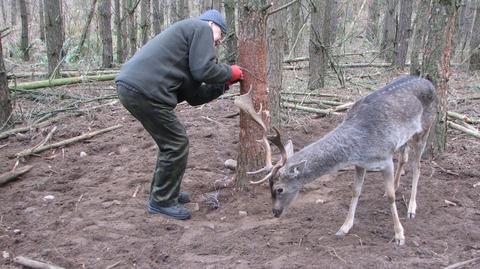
[244, 102]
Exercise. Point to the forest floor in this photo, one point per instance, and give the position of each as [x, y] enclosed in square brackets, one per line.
[84, 205]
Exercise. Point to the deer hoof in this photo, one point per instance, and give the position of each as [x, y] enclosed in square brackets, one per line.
[400, 242]
[411, 215]
[341, 233]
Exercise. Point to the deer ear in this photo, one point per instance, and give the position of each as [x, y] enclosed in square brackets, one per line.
[289, 148]
[296, 169]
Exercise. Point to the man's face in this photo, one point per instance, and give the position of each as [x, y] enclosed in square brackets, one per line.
[217, 33]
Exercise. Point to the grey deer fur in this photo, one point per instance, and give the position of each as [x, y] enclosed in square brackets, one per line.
[394, 118]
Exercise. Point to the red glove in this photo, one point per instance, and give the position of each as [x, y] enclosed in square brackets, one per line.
[237, 74]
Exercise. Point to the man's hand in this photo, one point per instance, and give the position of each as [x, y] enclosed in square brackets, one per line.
[237, 74]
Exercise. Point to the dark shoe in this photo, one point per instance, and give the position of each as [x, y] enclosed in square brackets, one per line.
[175, 211]
[183, 197]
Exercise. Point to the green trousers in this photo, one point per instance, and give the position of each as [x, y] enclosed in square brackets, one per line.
[162, 124]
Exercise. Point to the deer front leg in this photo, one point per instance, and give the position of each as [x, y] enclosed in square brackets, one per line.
[390, 190]
[356, 189]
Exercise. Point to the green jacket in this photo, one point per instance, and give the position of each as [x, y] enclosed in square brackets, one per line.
[171, 67]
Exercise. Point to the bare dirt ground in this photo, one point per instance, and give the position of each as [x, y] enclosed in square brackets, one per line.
[98, 219]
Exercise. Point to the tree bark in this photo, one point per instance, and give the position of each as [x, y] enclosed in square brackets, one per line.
[475, 42]
[5, 101]
[145, 21]
[24, 46]
[4, 12]
[436, 66]
[389, 26]
[403, 33]
[132, 26]
[252, 43]
[420, 30]
[318, 45]
[373, 21]
[174, 17]
[105, 27]
[54, 35]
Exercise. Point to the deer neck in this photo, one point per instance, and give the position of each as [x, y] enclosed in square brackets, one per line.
[326, 155]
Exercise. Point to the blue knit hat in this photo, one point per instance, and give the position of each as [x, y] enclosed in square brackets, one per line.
[214, 16]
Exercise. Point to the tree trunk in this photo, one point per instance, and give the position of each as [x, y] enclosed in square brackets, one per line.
[41, 20]
[117, 21]
[475, 42]
[436, 66]
[173, 11]
[420, 30]
[318, 45]
[157, 16]
[24, 46]
[296, 26]
[389, 27]
[13, 11]
[373, 21]
[276, 38]
[403, 33]
[252, 43]
[124, 33]
[54, 35]
[145, 21]
[5, 102]
[105, 27]
[83, 37]
[231, 37]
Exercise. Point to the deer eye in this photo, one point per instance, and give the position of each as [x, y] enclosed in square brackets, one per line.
[280, 190]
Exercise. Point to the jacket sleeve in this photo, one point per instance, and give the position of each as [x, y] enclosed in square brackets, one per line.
[201, 58]
[207, 93]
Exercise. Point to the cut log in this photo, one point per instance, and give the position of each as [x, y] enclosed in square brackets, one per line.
[60, 82]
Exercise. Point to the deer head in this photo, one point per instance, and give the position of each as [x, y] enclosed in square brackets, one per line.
[283, 176]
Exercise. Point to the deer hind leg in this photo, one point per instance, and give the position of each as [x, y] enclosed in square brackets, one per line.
[356, 189]
[390, 190]
[402, 160]
[418, 145]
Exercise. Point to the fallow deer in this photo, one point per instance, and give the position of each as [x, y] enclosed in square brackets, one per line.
[394, 118]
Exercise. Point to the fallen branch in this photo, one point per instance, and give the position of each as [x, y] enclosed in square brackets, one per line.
[464, 118]
[310, 109]
[10, 176]
[27, 262]
[61, 81]
[311, 94]
[68, 141]
[461, 264]
[30, 151]
[27, 128]
[65, 74]
[463, 129]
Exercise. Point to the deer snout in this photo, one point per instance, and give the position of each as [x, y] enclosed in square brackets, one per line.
[277, 212]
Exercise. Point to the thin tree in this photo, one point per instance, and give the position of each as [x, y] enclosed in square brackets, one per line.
[276, 39]
[389, 27]
[4, 12]
[436, 66]
[252, 44]
[54, 35]
[231, 38]
[41, 20]
[403, 33]
[420, 29]
[145, 21]
[5, 101]
[373, 21]
[24, 44]
[132, 25]
[117, 21]
[318, 44]
[475, 42]
[13, 10]
[83, 37]
[105, 26]
[157, 15]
